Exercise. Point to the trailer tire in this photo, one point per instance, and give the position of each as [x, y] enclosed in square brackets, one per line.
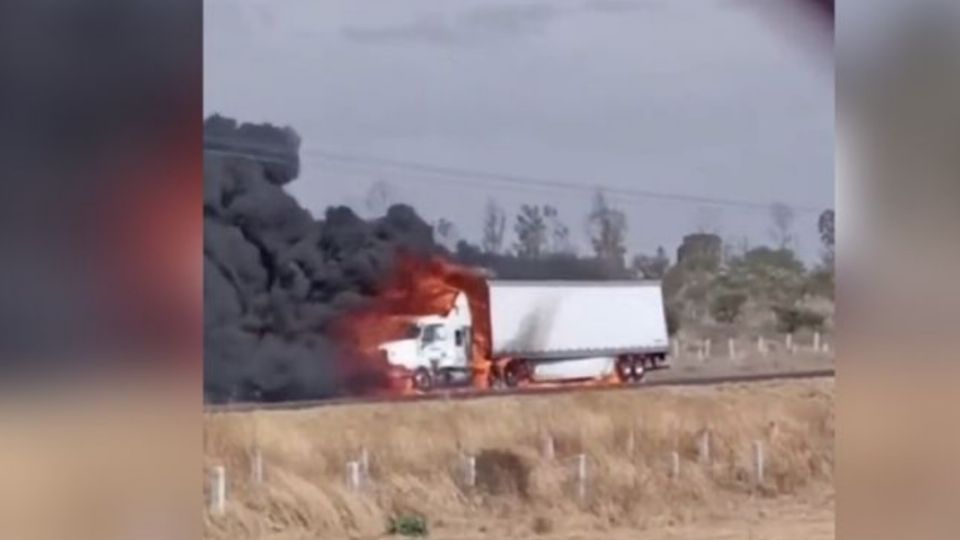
[422, 379]
[637, 370]
[624, 367]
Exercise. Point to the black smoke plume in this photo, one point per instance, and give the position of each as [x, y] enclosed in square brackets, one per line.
[275, 277]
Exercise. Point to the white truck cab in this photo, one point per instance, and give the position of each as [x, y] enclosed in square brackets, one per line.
[437, 348]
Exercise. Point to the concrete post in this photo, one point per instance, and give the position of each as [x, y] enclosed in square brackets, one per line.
[218, 490]
[758, 461]
[471, 473]
[353, 475]
[582, 478]
[256, 467]
[705, 447]
[365, 463]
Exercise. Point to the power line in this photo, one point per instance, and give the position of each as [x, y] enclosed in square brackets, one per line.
[263, 152]
[482, 176]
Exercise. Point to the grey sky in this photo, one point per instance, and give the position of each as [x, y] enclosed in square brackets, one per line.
[713, 98]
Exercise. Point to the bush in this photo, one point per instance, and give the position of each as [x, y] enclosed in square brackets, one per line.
[673, 319]
[726, 306]
[696, 292]
[792, 318]
[408, 525]
[821, 283]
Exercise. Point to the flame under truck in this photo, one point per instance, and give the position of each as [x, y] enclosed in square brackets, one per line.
[539, 332]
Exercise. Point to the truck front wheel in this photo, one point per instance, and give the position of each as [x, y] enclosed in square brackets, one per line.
[422, 379]
[516, 372]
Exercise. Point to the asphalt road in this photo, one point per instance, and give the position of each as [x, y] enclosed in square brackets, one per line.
[469, 393]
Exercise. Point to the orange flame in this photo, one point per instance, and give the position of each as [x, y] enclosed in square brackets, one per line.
[417, 287]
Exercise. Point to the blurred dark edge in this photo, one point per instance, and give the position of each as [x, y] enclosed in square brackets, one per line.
[898, 452]
[100, 148]
[100, 276]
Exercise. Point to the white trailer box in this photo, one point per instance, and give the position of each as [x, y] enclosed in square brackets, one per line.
[576, 319]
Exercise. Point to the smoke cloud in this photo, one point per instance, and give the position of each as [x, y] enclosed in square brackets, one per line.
[275, 278]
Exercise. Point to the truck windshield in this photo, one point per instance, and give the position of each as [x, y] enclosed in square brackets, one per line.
[413, 332]
[431, 333]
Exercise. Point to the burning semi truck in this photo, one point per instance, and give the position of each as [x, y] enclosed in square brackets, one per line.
[501, 333]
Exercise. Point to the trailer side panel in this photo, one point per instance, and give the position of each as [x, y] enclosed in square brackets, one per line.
[576, 319]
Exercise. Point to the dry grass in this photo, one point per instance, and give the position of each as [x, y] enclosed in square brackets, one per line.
[416, 463]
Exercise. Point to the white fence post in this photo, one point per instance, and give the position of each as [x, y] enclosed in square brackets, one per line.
[758, 461]
[816, 342]
[732, 348]
[790, 343]
[705, 447]
[471, 471]
[761, 346]
[365, 463]
[353, 475]
[706, 351]
[582, 477]
[218, 489]
[675, 464]
[256, 466]
[548, 450]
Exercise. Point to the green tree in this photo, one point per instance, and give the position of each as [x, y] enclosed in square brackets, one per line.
[559, 233]
[531, 230]
[782, 217]
[772, 275]
[726, 306]
[791, 318]
[608, 230]
[654, 267]
[672, 316]
[826, 228]
[700, 252]
[494, 223]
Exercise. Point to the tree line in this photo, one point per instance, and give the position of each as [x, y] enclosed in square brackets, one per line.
[539, 232]
[708, 281]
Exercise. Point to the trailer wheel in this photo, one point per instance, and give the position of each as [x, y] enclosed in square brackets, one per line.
[637, 370]
[422, 380]
[625, 368]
